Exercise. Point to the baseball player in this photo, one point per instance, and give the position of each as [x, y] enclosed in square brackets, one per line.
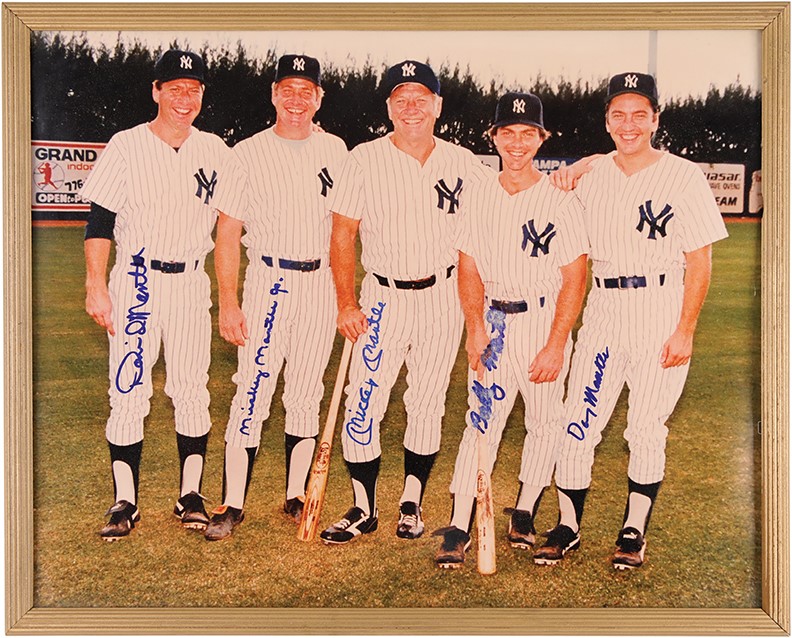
[151, 191]
[285, 174]
[651, 220]
[522, 278]
[404, 193]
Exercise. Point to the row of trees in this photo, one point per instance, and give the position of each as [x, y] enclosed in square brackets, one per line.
[86, 93]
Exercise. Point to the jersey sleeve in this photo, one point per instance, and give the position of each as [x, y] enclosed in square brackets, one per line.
[347, 197]
[701, 222]
[107, 183]
[571, 229]
[231, 191]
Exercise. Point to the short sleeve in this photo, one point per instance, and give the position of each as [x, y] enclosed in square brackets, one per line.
[231, 191]
[347, 196]
[572, 230]
[701, 222]
[107, 183]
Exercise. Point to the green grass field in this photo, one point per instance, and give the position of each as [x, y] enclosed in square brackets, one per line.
[703, 548]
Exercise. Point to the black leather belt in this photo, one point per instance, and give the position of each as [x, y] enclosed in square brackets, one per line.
[170, 267]
[417, 284]
[509, 307]
[288, 264]
[636, 281]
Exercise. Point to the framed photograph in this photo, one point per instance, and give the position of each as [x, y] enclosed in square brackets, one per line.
[722, 541]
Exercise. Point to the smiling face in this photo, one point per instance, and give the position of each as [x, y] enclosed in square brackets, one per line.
[414, 109]
[517, 145]
[179, 103]
[631, 121]
[296, 101]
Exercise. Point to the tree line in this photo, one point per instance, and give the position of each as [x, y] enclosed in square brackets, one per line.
[82, 92]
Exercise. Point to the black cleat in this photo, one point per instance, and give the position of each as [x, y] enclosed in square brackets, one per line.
[522, 533]
[456, 542]
[224, 519]
[293, 508]
[630, 548]
[410, 523]
[560, 540]
[123, 516]
[190, 509]
[354, 524]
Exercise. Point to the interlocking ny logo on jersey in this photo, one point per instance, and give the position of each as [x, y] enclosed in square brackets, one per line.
[326, 180]
[186, 62]
[444, 193]
[519, 106]
[299, 64]
[631, 81]
[408, 70]
[656, 224]
[205, 186]
[539, 241]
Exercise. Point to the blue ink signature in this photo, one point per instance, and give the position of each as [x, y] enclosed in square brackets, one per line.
[486, 397]
[371, 356]
[357, 428]
[491, 354]
[259, 360]
[136, 324]
[590, 397]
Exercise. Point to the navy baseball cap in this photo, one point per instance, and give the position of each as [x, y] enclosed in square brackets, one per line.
[519, 108]
[298, 66]
[411, 71]
[639, 83]
[175, 64]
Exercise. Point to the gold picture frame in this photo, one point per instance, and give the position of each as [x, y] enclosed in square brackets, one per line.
[771, 18]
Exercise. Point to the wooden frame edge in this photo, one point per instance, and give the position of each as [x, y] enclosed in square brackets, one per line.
[18, 19]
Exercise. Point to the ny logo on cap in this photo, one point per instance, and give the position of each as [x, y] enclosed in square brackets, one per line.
[631, 81]
[519, 106]
[408, 69]
[186, 62]
[299, 64]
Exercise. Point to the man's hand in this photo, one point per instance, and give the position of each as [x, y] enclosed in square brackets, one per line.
[677, 350]
[233, 327]
[475, 344]
[566, 177]
[351, 323]
[99, 307]
[546, 365]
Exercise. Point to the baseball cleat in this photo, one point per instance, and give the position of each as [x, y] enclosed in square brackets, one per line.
[630, 548]
[293, 508]
[123, 516]
[560, 540]
[354, 524]
[224, 519]
[190, 509]
[522, 533]
[410, 523]
[456, 542]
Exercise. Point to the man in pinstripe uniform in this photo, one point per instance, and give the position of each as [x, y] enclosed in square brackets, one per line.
[285, 174]
[404, 192]
[522, 278]
[651, 221]
[152, 191]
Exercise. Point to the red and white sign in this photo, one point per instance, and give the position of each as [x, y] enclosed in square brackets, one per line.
[59, 171]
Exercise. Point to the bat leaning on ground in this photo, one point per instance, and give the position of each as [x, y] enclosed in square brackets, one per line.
[485, 514]
[317, 484]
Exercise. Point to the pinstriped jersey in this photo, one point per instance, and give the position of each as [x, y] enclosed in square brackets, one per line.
[644, 223]
[162, 198]
[280, 191]
[520, 241]
[408, 213]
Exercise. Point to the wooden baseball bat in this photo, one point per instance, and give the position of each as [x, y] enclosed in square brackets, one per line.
[317, 484]
[485, 511]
